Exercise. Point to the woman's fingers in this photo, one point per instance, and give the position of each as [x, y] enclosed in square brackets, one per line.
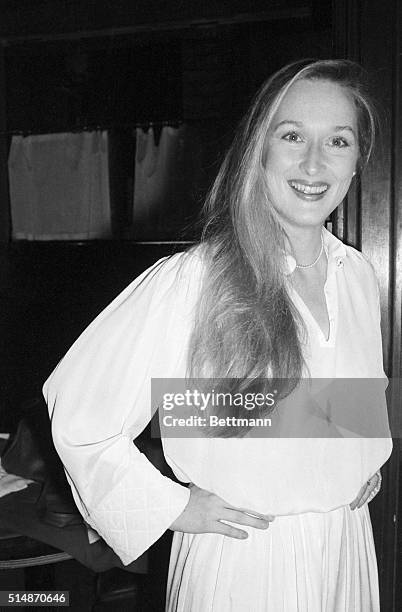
[354, 503]
[265, 517]
[373, 486]
[367, 492]
[208, 513]
[243, 518]
[229, 531]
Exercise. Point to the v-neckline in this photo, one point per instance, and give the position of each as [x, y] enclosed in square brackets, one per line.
[324, 339]
[331, 305]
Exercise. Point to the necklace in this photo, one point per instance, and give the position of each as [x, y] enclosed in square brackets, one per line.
[304, 267]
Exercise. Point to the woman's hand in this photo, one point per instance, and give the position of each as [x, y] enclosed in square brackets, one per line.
[368, 491]
[208, 513]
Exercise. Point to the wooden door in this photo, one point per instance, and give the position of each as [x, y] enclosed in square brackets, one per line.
[371, 220]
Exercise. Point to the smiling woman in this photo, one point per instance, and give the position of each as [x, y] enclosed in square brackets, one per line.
[276, 523]
[311, 152]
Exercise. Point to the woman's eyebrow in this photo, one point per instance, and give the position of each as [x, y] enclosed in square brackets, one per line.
[340, 128]
[298, 124]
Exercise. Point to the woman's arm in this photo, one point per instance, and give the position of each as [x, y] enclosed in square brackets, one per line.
[99, 402]
[99, 399]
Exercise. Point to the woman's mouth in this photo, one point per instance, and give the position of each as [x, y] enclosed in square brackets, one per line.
[309, 191]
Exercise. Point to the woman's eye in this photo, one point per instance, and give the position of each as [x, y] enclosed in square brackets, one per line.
[339, 142]
[292, 137]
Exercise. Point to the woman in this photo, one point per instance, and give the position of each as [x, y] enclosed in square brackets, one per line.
[268, 523]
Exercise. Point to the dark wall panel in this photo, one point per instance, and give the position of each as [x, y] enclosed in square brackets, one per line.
[370, 219]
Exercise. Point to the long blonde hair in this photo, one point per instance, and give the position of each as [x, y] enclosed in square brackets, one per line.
[246, 327]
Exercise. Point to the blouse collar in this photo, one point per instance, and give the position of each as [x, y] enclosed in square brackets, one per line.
[334, 249]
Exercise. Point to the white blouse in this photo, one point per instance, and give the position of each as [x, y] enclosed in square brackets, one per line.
[99, 399]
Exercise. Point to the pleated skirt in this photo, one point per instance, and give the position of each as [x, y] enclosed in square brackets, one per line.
[312, 562]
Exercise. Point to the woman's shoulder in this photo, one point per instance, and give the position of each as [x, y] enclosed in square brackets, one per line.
[169, 278]
[147, 307]
[359, 261]
[188, 261]
[180, 268]
[362, 272]
[357, 265]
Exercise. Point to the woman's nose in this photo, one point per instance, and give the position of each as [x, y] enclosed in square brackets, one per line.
[313, 160]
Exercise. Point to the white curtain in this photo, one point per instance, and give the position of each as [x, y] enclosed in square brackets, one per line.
[59, 186]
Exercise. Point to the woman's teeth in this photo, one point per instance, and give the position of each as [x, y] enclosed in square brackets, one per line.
[308, 189]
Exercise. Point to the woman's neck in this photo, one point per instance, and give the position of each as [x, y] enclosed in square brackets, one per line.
[305, 245]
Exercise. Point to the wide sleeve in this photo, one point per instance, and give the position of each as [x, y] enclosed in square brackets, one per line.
[99, 400]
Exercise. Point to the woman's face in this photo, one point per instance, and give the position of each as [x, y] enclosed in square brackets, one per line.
[311, 152]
